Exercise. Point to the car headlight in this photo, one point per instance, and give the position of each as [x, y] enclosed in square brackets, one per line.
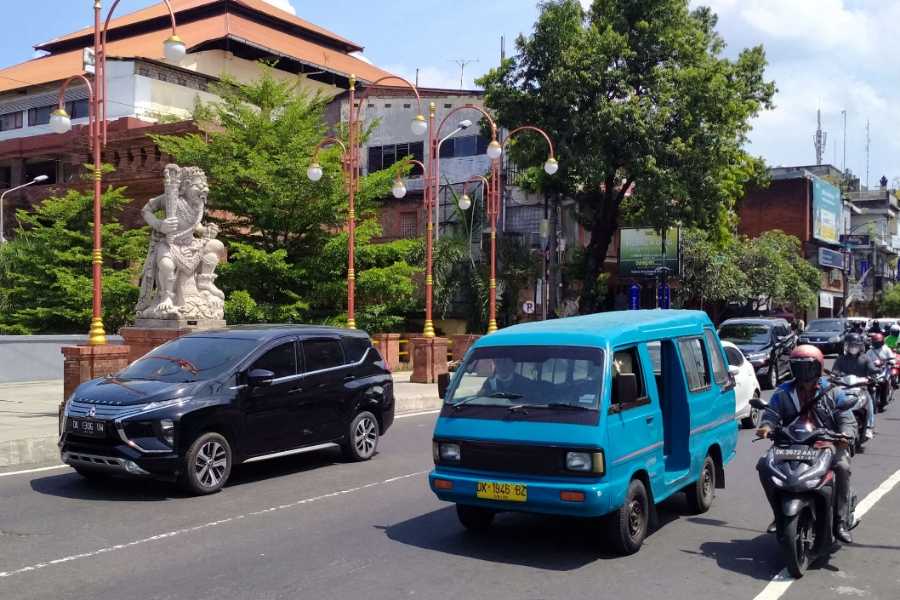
[585, 462]
[449, 452]
[164, 404]
[835, 339]
[167, 431]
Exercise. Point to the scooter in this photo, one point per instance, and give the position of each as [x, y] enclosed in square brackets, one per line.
[881, 387]
[856, 400]
[895, 374]
[799, 464]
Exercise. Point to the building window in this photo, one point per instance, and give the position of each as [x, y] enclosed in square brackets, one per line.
[459, 147]
[388, 105]
[11, 121]
[448, 106]
[77, 109]
[382, 157]
[39, 116]
[44, 167]
[407, 106]
[408, 225]
[5, 177]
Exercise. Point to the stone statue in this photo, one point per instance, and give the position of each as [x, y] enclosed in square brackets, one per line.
[177, 281]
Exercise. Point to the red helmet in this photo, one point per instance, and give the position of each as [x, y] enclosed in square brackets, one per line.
[877, 338]
[807, 363]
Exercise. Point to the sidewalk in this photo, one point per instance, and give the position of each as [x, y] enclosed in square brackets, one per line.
[29, 424]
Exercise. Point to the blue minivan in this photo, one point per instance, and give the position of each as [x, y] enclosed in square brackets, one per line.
[599, 415]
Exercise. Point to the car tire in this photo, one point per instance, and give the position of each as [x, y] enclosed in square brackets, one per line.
[362, 437]
[701, 493]
[207, 464]
[475, 518]
[628, 526]
[752, 420]
[772, 377]
[93, 474]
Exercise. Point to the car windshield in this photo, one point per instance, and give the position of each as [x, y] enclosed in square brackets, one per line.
[745, 333]
[189, 359]
[529, 376]
[825, 325]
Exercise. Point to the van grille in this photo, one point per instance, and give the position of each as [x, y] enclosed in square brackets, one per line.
[525, 459]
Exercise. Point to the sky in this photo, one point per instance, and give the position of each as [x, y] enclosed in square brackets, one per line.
[832, 55]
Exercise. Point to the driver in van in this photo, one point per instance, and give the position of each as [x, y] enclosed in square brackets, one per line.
[505, 380]
[809, 393]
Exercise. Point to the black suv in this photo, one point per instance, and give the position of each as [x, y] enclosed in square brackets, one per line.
[193, 407]
[767, 344]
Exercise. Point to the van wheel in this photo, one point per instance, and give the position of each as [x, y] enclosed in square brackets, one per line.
[207, 464]
[628, 526]
[475, 518]
[700, 494]
[362, 437]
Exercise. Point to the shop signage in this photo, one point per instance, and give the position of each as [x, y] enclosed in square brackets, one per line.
[826, 300]
[634, 297]
[855, 240]
[827, 211]
[831, 258]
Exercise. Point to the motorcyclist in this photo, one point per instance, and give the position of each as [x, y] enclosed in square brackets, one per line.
[875, 328]
[879, 354]
[891, 340]
[855, 361]
[810, 393]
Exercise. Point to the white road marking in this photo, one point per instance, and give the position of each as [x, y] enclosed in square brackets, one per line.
[417, 414]
[170, 534]
[38, 470]
[781, 582]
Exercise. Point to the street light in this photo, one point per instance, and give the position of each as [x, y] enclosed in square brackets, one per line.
[61, 122]
[350, 161]
[38, 179]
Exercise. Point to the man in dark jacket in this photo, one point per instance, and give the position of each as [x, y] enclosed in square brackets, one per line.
[855, 361]
[808, 393]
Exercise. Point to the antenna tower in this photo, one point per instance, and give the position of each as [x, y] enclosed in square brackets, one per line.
[820, 139]
[463, 63]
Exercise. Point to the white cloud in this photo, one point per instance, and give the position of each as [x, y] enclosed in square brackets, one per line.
[437, 77]
[284, 5]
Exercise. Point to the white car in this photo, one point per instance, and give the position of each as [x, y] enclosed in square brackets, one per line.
[746, 386]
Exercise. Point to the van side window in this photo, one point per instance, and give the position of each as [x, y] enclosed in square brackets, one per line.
[627, 362]
[720, 373]
[322, 354]
[695, 366]
[280, 360]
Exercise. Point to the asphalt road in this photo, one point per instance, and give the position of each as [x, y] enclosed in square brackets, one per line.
[314, 527]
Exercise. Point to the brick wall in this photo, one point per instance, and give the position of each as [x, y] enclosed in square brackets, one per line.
[784, 205]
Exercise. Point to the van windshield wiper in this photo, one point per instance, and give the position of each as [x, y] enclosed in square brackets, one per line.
[501, 395]
[565, 406]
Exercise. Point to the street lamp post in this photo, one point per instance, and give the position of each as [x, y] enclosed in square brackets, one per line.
[61, 122]
[38, 179]
[350, 160]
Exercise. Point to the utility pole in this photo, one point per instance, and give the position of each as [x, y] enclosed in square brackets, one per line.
[844, 163]
[868, 142]
[463, 63]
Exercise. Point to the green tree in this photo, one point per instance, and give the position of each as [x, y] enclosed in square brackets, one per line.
[45, 271]
[711, 270]
[889, 304]
[649, 118]
[777, 273]
[285, 233]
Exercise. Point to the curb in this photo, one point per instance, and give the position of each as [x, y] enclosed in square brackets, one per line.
[416, 404]
[31, 452]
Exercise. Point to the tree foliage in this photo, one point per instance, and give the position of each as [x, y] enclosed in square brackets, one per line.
[285, 234]
[639, 98]
[45, 270]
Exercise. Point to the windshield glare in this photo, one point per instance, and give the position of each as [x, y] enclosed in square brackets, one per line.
[745, 334]
[529, 376]
[189, 359]
[825, 325]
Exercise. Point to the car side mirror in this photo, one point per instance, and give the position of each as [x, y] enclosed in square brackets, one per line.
[625, 388]
[260, 378]
[733, 370]
[443, 382]
[758, 404]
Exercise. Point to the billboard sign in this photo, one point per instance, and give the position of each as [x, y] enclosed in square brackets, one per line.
[640, 252]
[831, 258]
[827, 211]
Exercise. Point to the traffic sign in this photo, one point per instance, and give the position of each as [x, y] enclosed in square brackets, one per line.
[528, 307]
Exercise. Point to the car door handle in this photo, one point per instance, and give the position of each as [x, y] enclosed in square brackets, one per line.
[649, 419]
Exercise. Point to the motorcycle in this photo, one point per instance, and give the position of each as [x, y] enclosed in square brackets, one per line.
[799, 464]
[856, 400]
[895, 374]
[881, 388]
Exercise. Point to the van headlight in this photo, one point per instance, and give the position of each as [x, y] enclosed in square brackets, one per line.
[449, 452]
[585, 462]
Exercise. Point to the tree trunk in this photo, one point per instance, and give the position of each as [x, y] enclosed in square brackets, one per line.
[604, 224]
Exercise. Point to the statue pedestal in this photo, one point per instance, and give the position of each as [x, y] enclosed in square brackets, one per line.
[429, 359]
[83, 363]
[147, 334]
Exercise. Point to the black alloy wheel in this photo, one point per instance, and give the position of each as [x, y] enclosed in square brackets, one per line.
[207, 464]
[701, 493]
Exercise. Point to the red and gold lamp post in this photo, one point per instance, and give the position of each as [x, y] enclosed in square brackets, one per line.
[61, 122]
[350, 159]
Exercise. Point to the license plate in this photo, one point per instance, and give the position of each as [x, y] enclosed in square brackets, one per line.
[505, 492]
[87, 427]
[800, 454]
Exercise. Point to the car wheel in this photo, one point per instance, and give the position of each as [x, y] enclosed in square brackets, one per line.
[772, 379]
[207, 464]
[628, 526]
[752, 420]
[362, 437]
[475, 518]
[701, 493]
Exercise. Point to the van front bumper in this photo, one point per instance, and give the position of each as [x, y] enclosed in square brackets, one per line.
[543, 495]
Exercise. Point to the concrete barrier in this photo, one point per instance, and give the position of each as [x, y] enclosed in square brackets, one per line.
[37, 357]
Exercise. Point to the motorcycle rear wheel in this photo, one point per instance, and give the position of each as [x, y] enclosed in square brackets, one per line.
[798, 540]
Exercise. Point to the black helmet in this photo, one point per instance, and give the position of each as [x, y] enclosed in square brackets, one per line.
[895, 329]
[807, 363]
[854, 344]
